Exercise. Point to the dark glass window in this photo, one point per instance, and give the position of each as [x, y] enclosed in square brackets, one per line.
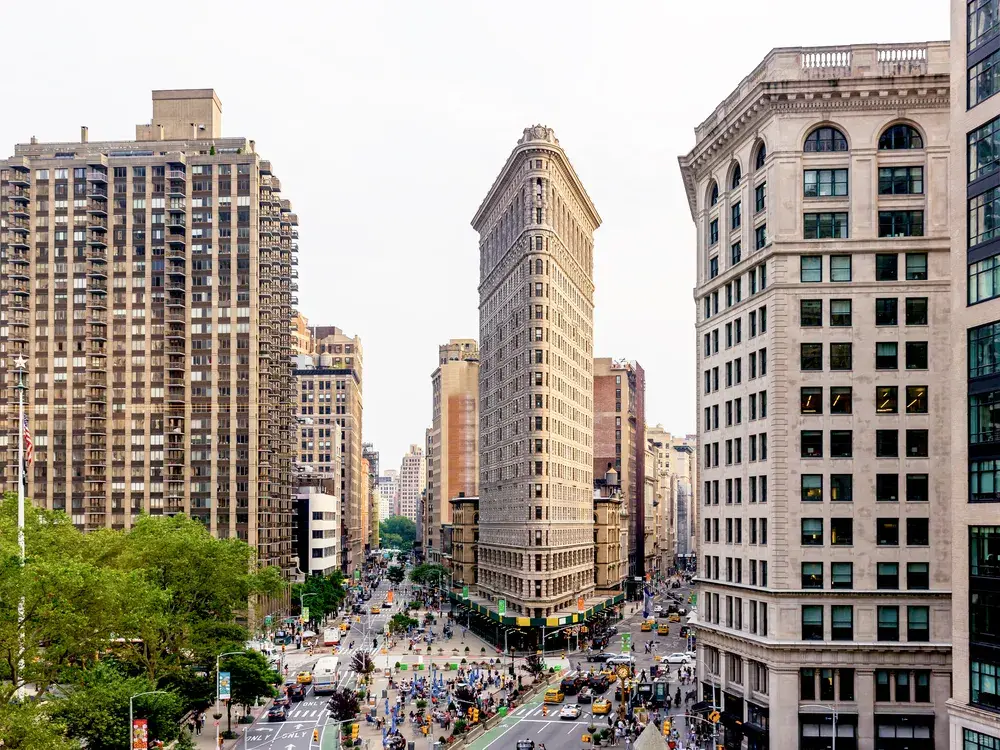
[886, 311]
[841, 443]
[917, 575]
[887, 576]
[841, 629]
[714, 195]
[886, 399]
[984, 417]
[916, 399]
[984, 551]
[811, 268]
[811, 400]
[812, 575]
[807, 677]
[984, 350]
[812, 532]
[841, 488]
[900, 180]
[984, 481]
[841, 575]
[916, 355]
[840, 400]
[922, 686]
[760, 197]
[840, 268]
[916, 311]
[887, 532]
[902, 687]
[713, 231]
[984, 279]
[983, 25]
[918, 532]
[886, 267]
[840, 312]
[917, 488]
[812, 487]
[887, 443]
[812, 622]
[761, 156]
[916, 444]
[888, 624]
[984, 79]
[918, 624]
[811, 356]
[984, 216]
[826, 675]
[735, 253]
[825, 226]
[887, 488]
[886, 355]
[977, 740]
[825, 139]
[713, 269]
[812, 443]
[820, 183]
[883, 685]
[984, 148]
[984, 616]
[846, 680]
[916, 266]
[841, 356]
[842, 531]
[900, 223]
[760, 236]
[899, 137]
[811, 312]
[984, 679]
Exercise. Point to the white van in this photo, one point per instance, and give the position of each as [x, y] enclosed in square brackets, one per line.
[324, 673]
[331, 636]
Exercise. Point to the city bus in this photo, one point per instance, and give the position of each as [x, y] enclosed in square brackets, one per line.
[325, 675]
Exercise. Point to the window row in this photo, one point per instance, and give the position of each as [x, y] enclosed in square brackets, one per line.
[841, 312]
[887, 575]
[842, 623]
[757, 324]
[757, 487]
[841, 487]
[842, 356]
[834, 225]
[886, 267]
[886, 532]
[757, 531]
[841, 444]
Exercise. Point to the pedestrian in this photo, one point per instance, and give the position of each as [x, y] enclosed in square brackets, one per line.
[200, 722]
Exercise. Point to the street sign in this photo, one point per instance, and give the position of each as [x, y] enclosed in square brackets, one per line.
[501, 607]
[581, 604]
[357, 575]
[305, 614]
[140, 734]
[224, 686]
[626, 641]
[465, 592]
[268, 620]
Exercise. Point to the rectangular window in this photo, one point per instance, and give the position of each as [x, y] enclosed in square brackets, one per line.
[846, 680]
[984, 350]
[812, 575]
[887, 488]
[883, 685]
[886, 399]
[807, 676]
[984, 279]
[841, 627]
[735, 253]
[812, 443]
[812, 532]
[984, 481]
[735, 215]
[841, 443]
[812, 622]
[900, 180]
[918, 576]
[760, 237]
[811, 357]
[842, 531]
[917, 488]
[811, 400]
[984, 145]
[886, 355]
[840, 312]
[713, 232]
[810, 313]
[972, 739]
[886, 443]
[887, 575]
[916, 311]
[842, 575]
[900, 223]
[983, 25]
[984, 418]
[821, 183]
[841, 400]
[760, 198]
[886, 267]
[812, 488]
[841, 488]
[713, 271]
[811, 268]
[840, 268]
[824, 226]
[887, 532]
[984, 679]
[888, 624]
[841, 356]
[916, 399]
[918, 532]
[984, 217]
[918, 624]
[984, 80]
[917, 444]
[916, 355]
[886, 311]
[916, 266]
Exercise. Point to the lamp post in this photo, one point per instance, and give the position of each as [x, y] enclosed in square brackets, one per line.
[833, 711]
[131, 734]
[20, 364]
[218, 717]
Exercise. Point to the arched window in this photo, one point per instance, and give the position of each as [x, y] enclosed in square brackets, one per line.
[713, 196]
[538, 265]
[900, 136]
[761, 156]
[826, 139]
[737, 175]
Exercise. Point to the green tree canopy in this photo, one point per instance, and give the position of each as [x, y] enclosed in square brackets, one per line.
[328, 593]
[397, 532]
[400, 623]
[396, 574]
[429, 574]
[30, 726]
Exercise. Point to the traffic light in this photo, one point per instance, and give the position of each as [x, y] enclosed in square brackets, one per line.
[355, 728]
[475, 716]
[666, 727]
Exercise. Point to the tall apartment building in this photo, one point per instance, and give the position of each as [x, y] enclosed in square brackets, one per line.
[620, 442]
[453, 441]
[975, 273]
[536, 314]
[388, 485]
[819, 192]
[371, 455]
[317, 525]
[679, 462]
[412, 481]
[302, 342]
[158, 347]
[657, 466]
[330, 395]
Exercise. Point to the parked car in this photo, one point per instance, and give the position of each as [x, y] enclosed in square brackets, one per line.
[572, 711]
[277, 713]
[586, 695]
[677, 658]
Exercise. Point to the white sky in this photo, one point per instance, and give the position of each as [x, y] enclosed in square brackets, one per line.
[388, 121]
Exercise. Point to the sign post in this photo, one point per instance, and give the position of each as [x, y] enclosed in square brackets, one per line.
[225, 686]
[140, 734]
[465, 592]
[305, 614]
[501, 607]
[626, 642]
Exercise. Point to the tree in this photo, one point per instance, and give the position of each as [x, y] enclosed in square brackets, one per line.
[363, 664]
[396, 574]
[95, 709]
[344, 705]
[251, 678]
[30, 725]
[400, 623]
[428, 574]
[534, 665]
[397, 532]
[328, 593]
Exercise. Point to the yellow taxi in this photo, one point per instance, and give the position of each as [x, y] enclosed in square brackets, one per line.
[376, 609]
[647, 626]
[554, 695]
[304, 678]
[610, 674]
[674, 618]
[601, 706]
[345, 626]
[663, 629]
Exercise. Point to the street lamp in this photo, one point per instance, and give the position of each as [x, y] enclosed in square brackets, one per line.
[131, 733]
[218, 713]
[833, 711]
[20, 364]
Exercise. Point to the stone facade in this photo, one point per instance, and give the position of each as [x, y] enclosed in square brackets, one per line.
[536, 385]
[412, 481]
[819, 194]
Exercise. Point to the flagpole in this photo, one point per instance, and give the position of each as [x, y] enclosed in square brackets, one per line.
[19, 365]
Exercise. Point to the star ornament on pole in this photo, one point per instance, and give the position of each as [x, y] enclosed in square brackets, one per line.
[20, 363]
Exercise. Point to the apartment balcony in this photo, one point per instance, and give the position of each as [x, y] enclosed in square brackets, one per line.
[176, 364]
[174, 285]
[294, 300]
[97, 317]
[100, 239]
[177, 174]
[97, 380]
[97, 175]
[98, 333]
[97, 190]
[295, 235]
[176, 394]
[176, 220]
[19, 225]
[97, 207]
[18, 271]
[97, 286]
[20, 178]
[265, 166]
[97, 348]
[176, 251]
[98, 300]
[96, 426]
[96, 395]
[175, 331]
[97, 457]
[96, 223]
[176, 299]
[295, 260]
[18, 240]
[175, 348]
[17, 209]
[98, 253]
[294, 287]
[18, 286]
[294, 274]
[97, 268]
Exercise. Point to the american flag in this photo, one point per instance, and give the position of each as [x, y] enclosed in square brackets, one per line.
[29, 446]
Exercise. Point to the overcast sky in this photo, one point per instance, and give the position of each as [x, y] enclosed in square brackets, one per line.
[388, 121]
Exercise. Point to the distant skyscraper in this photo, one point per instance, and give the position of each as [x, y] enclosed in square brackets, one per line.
[536, 312]
[453, 440]
[412, 480]
[388, 485]
[150, 284]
